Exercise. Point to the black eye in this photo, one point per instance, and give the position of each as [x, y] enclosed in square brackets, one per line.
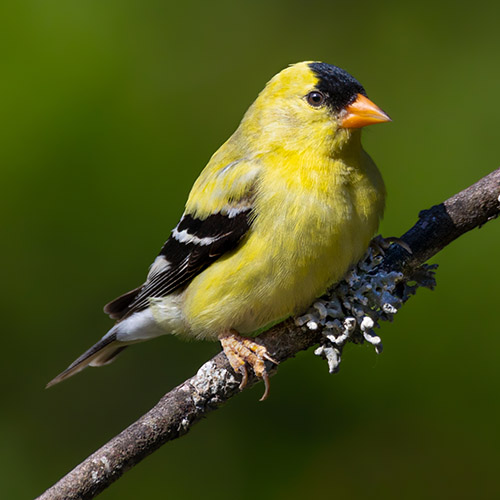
[315, 98]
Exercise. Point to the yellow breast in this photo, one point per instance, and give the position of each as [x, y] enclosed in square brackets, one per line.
[314, 219]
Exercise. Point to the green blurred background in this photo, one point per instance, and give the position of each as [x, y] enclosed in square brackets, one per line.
[109, 110]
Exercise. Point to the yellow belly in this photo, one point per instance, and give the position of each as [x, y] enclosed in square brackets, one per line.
[305, 238]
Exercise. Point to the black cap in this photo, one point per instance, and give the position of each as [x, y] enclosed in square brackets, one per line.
[338, 85]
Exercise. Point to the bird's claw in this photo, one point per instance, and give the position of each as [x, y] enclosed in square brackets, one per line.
[381, 244]
[243, 351]
[244, 376]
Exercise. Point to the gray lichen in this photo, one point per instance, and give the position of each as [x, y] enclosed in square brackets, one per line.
[210, 383]
[354, 307]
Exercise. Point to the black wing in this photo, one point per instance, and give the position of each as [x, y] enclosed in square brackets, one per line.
[192, 247]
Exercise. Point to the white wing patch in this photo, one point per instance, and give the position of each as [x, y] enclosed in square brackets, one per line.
[184, 237]
[237, 208]
[160, 265]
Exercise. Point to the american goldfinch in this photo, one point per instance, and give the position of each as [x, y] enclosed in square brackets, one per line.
[279, 214]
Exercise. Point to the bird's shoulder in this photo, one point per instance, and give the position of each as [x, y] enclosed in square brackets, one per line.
[225, 184]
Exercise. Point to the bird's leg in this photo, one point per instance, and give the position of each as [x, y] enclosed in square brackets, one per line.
[381, 244]
[243, 351]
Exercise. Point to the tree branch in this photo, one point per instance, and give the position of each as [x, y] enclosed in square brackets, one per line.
[215, 382]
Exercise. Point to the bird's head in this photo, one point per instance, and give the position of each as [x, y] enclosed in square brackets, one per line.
[310, 105]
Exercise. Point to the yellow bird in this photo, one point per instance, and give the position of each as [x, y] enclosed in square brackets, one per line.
[279, 214]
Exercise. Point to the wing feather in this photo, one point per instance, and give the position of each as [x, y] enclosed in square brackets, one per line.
[183, 257]
[218, 214]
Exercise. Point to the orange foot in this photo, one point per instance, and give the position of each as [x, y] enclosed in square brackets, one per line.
[241, 351]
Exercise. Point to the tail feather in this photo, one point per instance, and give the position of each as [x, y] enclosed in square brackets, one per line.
[117, 308]
[108, 356]
[99, 354]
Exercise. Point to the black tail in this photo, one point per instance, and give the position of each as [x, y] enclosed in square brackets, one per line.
[99, 354]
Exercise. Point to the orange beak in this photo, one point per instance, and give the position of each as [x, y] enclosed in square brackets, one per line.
[362, 112]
